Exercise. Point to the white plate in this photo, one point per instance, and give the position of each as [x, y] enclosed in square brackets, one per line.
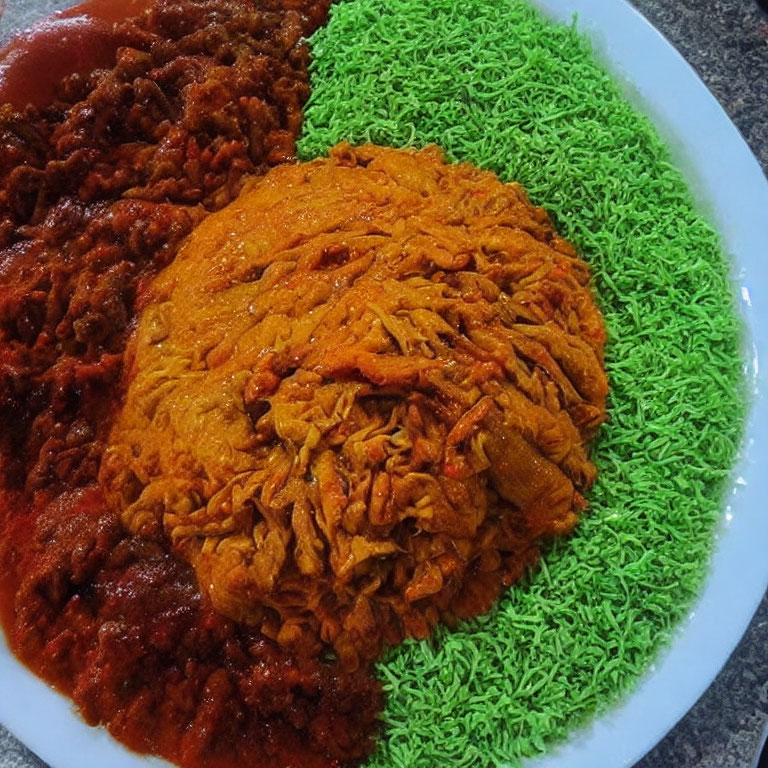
[727, 179]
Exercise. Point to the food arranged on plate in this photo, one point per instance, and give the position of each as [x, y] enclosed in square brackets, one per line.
[265, 420]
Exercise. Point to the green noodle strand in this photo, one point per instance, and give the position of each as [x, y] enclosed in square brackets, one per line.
[494, 83]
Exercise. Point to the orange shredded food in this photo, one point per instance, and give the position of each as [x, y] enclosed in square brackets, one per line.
[360, 397]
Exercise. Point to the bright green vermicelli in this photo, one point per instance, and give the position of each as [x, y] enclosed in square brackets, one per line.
[493, 83]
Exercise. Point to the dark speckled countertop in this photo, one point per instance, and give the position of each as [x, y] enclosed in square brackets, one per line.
[726, 42]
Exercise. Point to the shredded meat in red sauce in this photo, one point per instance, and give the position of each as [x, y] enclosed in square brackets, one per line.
[119, 624]
[99, 188]
[97, 191]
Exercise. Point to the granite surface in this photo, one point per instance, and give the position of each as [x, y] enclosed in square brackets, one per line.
[726, 42]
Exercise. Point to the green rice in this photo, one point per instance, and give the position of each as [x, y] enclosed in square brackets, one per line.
[494, 83]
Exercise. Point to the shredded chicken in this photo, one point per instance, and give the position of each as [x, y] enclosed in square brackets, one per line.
[360, 397]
